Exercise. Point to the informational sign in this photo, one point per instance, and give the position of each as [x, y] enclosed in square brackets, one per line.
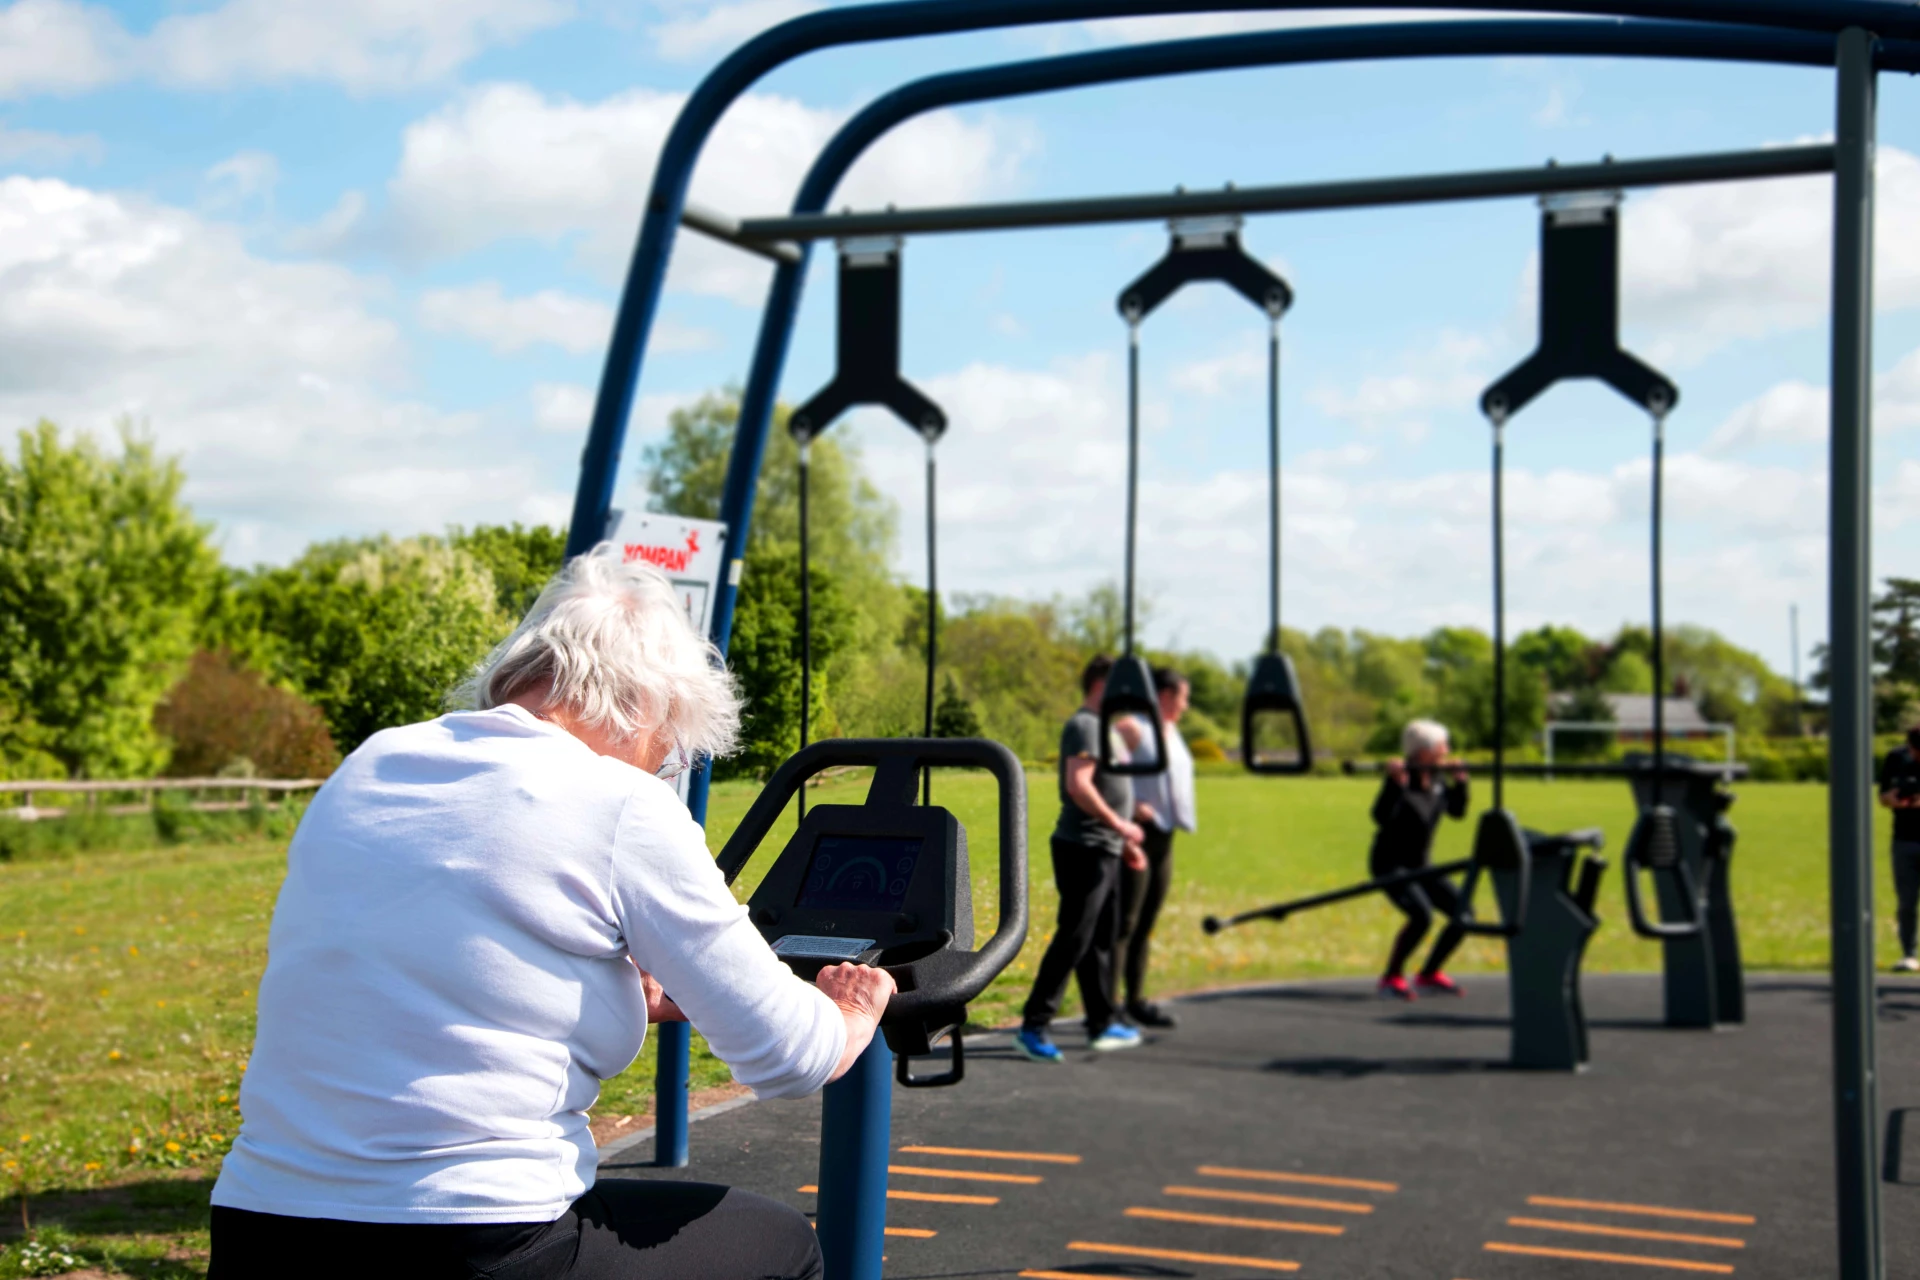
[691, 553]
[688, 551]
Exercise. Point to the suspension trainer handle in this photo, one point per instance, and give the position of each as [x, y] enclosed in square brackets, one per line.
[948, 979]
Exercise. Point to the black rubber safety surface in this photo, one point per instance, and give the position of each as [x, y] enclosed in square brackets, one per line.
[1310, 1127]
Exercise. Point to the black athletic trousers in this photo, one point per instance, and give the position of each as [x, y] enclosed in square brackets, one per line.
[1906, 891]
[1418, 899]
[1142, 894]
[623, 1229]
[1084, 940]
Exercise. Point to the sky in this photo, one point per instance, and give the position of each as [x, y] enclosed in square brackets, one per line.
[354, 262]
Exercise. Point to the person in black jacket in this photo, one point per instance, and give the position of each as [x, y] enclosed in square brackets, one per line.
[1415, 793]
[1899, 788]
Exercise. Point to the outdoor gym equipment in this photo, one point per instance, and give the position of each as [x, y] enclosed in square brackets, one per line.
[885, 882]
[1210, 249]
[1579, 338]
[1545, 891]
[1857, 39]
[867, 353]
[1690, 845]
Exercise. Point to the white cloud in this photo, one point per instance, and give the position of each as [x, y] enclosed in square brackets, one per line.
[1795, 412]
[1710, 264]
[697, 31]
[1032, 497]
[1216, 375]
[1439, 375]
[279, 383]
[64, 46]
[564, 407]
[482, 312]
[35, 145]
[506, 161]
[58, 46]
[241, 177]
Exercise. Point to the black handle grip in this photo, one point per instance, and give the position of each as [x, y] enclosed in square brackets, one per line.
[1130, 692]
[1274, 689]
[954, 1074]
[1654, 848]
[946, 978]
[1498, 844]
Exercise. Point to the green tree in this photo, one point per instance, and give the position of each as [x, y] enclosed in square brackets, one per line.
[376, 631]
[765, 657]
[521, 560]
[1627, 672]
[1564, 657]
[953, 715]
[104, 574]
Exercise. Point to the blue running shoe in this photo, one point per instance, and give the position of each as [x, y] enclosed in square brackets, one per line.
[1037, 1046]
[1118, 1035]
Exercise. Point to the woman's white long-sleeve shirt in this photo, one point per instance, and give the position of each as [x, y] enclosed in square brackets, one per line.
[451, 975]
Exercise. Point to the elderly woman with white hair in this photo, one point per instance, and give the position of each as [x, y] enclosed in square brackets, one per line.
[481, 915]
[1418, 789]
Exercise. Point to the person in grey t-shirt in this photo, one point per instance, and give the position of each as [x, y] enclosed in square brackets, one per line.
[1094, 837]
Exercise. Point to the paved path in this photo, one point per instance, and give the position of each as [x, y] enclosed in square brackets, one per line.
[1309, 1125]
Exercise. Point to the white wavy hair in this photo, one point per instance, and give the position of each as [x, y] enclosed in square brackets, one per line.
[1421, 734]
[610, 642]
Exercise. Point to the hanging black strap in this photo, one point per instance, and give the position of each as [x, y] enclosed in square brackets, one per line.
[867, 372]
[933, 631]
[1499, 418]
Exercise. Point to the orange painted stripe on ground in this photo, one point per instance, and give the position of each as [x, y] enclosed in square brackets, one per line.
[1225, 1220]
[1631, 1233]
[912, 1233]
[931, 1196]
[982, 1153]
[1262, 1197]
[1062, 1275]
[1625, 1259]
[1650, 1210]
[969, 1175]
[1183, 1255]
[1311, 1179]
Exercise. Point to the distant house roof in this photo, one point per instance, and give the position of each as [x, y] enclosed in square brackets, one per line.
[1633, 713]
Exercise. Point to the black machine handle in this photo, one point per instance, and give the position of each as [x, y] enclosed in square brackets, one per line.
[1281, 910]
[1498, 844]
[954, 1074]
[945, 980]
[1130, 692]
[1654, 847]
[1274, 687]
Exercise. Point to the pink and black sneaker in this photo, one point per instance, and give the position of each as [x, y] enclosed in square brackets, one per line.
[1437, 984]
[1394, 987]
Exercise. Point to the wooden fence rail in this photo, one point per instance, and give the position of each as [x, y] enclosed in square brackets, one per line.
[95, 789]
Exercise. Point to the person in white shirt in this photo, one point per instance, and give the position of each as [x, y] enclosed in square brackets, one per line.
[481, 915]
[1163, 804]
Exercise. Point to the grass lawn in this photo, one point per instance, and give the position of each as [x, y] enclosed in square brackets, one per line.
[127, 978]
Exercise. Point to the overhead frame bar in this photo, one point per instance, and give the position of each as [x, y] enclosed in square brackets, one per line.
[710, 222]
[1362, 193]
[1859, 36]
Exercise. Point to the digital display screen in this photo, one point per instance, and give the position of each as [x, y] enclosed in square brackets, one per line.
[860, 873]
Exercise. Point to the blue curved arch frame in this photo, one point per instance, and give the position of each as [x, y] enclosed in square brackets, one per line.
[901, 19]
[1859, 37]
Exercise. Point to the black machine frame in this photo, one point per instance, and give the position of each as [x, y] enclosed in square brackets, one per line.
[1856, 38]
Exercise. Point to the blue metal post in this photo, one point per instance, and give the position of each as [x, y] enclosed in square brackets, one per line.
[670, 1095]
[856, 1123]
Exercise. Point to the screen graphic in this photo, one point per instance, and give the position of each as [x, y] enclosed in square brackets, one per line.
[860, 873]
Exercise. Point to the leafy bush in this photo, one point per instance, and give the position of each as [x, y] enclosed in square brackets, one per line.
[223, 715]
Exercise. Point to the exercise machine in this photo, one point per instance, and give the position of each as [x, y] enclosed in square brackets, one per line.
[867, 372]
[886, 882]
[1579, 338]
[1273, 722]
[1544, 886]
[1703, 981]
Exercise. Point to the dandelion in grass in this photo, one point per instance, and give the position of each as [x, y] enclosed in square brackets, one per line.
[114, 1055]
[91, 1166]
[173, 1148]
[26, 1044]
[159, 1004]
[132, 951]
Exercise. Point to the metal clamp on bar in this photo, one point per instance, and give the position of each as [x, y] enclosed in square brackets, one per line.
[718, 226]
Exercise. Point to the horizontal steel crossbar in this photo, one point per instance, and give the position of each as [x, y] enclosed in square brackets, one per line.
[1727, 166]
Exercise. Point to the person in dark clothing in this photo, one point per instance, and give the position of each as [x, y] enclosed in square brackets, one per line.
[1416, 792]
[1899, 788]
[1093, 839]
